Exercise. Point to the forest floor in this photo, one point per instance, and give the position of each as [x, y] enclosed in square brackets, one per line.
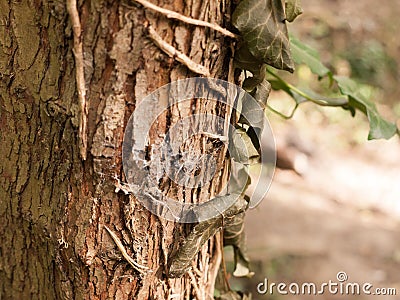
[343, 213]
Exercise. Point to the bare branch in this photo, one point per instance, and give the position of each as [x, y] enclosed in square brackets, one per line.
[174, 15]
[179, 56]
[80, 77]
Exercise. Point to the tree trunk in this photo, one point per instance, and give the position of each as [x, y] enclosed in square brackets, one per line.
[54, 204]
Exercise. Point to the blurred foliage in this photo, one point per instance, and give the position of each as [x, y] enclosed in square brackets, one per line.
[370, 63]
[352, 95]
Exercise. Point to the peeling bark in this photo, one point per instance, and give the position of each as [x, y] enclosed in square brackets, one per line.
[53, 205]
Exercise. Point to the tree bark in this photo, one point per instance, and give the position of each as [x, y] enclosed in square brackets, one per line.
[53, 204]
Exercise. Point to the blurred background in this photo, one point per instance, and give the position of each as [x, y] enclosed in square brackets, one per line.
[339, 209]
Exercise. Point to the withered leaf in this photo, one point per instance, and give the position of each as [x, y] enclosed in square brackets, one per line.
[262, 91]
[200, 234]
[233, 295]
[242, 149]
[252, 112]
[234, 235]
[240, 178]
[263, 27]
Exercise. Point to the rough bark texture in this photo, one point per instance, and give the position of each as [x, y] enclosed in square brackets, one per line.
[54, 205]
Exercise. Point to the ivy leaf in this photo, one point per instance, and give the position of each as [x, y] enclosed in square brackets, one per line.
[234, 295]
[239, 175]
[263, 27]
[293, 9]
[201, 233]
[242, 149]
[234, 236]
[304, 54]
[181, 262]
[323, 100]
[246, 61]
[261, 93]
[303, 95]
[278, 84]
[252, 112]
[379, 127]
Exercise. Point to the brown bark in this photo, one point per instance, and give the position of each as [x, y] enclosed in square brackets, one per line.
[54, 205]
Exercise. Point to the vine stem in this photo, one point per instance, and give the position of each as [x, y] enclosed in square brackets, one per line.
[125, 254]
[174, 15]
[300, 92]
[79, 73]
[178, 55]
[281, 114]
[273, 109]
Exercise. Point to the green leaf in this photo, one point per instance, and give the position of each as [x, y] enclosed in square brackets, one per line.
[263, 27]
[292, 9]
[379, 127]
[180, 263]
[278, 84]
[241, 147]
[302, 95]
[304, 54]
[322, 100]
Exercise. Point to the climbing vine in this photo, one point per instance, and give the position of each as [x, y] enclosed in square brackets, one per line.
[266, 47]
[263, 46]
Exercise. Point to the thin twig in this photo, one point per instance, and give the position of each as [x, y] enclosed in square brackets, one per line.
[194, 284]
[121, 247]
[174, 15]
[281, 114]
[179, 56]
[214, 136]
[80, 77]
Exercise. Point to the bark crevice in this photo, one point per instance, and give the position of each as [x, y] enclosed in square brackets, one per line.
[53, 206]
